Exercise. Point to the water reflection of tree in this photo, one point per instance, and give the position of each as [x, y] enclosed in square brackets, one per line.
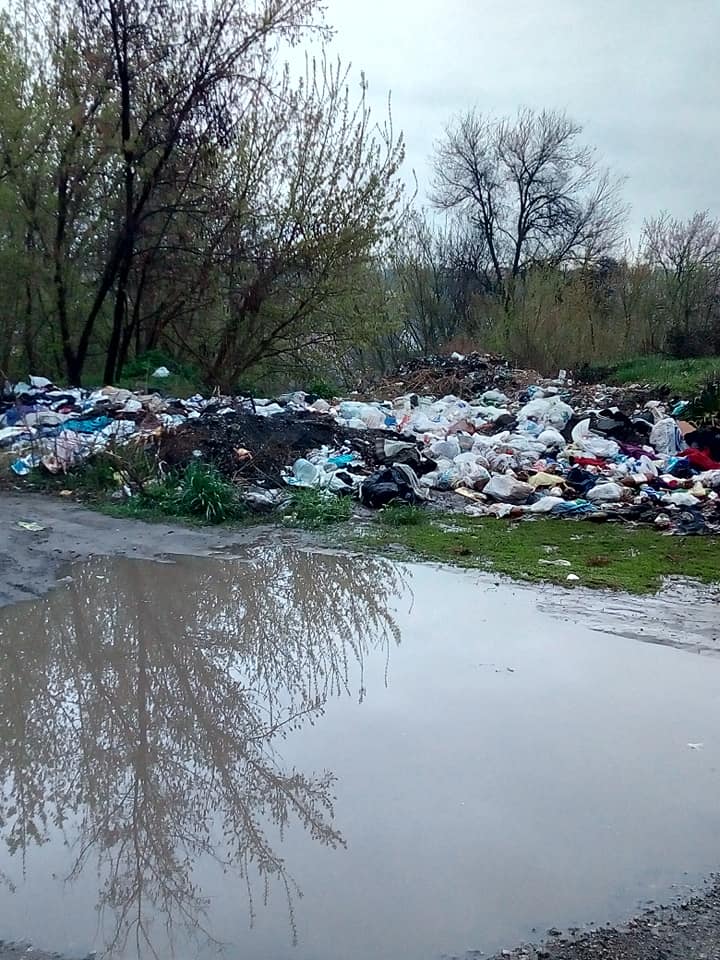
[141, 704]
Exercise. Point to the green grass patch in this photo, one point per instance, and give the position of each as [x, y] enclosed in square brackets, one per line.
[205, 495]
[403, 515]
[609, 555]
[684, 377]
[199, 494]
[316, 509]
[91, 480]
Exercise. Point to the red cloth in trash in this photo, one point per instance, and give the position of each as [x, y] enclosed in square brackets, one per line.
[700, 459]
[589, 462]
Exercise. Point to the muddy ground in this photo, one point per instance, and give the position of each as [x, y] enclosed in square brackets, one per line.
[30, 560]
[29, 564]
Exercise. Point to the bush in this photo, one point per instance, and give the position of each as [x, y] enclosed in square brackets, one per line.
[323, 388]
[204, 493]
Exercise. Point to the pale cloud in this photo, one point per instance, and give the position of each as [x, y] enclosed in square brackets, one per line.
[641, 76]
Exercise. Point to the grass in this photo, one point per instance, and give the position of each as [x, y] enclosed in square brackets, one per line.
[92, 480]
[610, 555]
[402, 515]
[199, 494]
[316, 509]
[683, 377]
[203, 494]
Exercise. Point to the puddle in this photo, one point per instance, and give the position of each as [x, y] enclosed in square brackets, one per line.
[438, 765]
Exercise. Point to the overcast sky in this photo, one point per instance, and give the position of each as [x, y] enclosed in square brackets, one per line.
[641, 76]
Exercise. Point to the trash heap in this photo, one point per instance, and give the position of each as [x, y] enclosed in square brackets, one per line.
[514, 445]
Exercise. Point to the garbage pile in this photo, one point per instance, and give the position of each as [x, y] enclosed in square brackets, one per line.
[462, 375]
[509, 448]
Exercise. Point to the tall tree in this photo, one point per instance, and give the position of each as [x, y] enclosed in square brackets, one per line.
[528, 188]
[686, 257]
[137, 82]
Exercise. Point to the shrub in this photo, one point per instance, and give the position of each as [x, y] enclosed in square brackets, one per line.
[204, 493]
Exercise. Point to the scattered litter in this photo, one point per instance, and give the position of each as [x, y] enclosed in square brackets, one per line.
[465, 430]
[30, 525]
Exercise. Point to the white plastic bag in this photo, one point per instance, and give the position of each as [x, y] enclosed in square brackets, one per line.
[593, 445]
[552, 439]
[681, 498]
[549, 411]
[306, 474]
[468, 467]
[448, 449]
[605, 493]
[545, 505]
[508, 489]
[665, 437]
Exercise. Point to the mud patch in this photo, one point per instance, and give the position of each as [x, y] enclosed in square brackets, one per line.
[274, 443]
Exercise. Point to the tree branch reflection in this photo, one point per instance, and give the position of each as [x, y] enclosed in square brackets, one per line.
[139, 709]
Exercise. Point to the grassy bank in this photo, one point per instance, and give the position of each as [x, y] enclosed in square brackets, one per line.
[614, 556]
[611, 555]
[683, 377]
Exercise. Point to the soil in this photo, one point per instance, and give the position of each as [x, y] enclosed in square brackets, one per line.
[465, 377]
[31, 559]
[29, 564]
[274, 442]
[689, 930]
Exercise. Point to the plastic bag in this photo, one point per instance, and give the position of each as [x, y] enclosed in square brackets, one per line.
[665, 437]
[593, 445]
[305, 474]
[389, 484]
[448, 449]
[508, 489]
[552, 439]
[606, 493]
[681, 498]
[469, 468]
[545, 505]
[549, 411]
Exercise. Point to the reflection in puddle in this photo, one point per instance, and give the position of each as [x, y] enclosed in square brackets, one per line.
[140, 709]
[188, 746]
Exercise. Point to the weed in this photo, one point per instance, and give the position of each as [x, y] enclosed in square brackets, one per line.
[704, 409]
[402, 515]
[314, 509]
[204, 494]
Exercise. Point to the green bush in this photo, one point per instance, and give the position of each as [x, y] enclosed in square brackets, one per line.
[203, 493]
[323, 388]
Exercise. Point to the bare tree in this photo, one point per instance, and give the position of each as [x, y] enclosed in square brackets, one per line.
[529, 189]
[422, 266]
[686, 255]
